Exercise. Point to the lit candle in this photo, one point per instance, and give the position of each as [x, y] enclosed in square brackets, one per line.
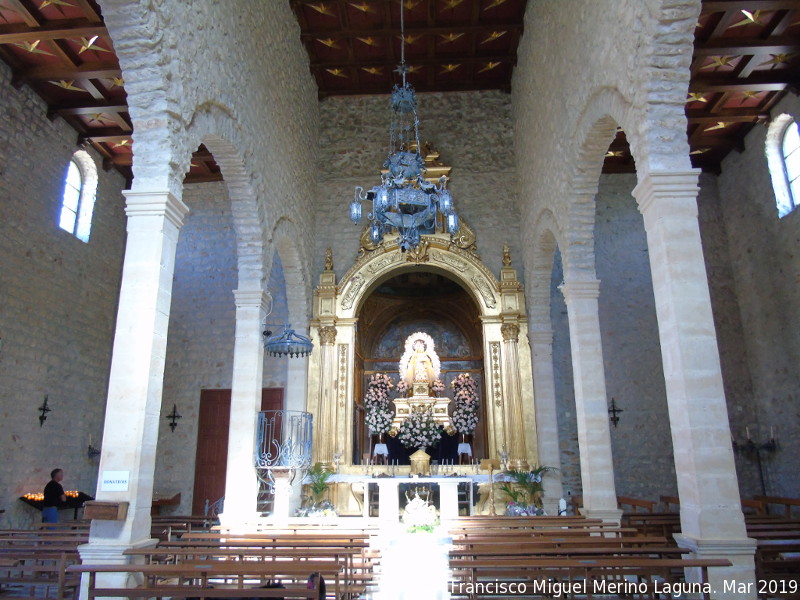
[747, 431]
[771, 432]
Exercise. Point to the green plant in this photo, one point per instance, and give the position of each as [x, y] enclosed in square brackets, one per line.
[317, 478]
[525, 487]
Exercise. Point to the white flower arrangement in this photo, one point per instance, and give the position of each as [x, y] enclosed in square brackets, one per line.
[465, 413]
[376, 404]
[437, 386]
[419, 430]
[419, 515]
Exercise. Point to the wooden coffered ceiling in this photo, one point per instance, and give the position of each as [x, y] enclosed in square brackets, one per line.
[747, 56]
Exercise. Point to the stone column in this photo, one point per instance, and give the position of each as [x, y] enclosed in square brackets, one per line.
[323, 434]
[518, 455]
[712, 523]
[591, 406]
[241, 482]
[546, 415]
[133, 407]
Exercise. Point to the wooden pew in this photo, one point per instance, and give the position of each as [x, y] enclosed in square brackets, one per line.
[787, 504]
[635, 503]
[216, 579]
[39, 575]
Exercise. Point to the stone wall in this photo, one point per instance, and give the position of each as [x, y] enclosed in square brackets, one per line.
[765, 260]
[471, 130]
[58, 298]
[201, 332]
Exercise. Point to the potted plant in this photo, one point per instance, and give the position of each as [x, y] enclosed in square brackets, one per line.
[525, 491]
[317, 481]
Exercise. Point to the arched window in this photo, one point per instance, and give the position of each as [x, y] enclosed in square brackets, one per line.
[791, 161]
[77, 204]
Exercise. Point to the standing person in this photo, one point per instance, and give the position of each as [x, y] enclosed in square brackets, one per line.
[53, 497]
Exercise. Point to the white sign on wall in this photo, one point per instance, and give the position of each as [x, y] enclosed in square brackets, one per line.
[115, 481]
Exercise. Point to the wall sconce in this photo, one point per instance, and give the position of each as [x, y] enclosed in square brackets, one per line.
[92, 451]
[753, 449]
[613, 412]
[173, 418]
[44, 409]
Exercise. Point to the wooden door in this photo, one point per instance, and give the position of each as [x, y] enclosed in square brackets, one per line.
[211, 462]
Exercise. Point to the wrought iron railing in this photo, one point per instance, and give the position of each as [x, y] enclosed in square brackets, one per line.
[283, 440]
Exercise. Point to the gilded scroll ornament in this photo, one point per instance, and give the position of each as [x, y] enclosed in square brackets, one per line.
[379, 264]
[485, 290]
[328, 259]
[419, 254]
[456, 263]
[327, 335]
[342, 374]
[510, 332]
[352, 291]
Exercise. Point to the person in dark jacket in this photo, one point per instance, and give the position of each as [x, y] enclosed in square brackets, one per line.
[53, 497]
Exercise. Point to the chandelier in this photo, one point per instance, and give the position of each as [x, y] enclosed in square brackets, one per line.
[405, 200]
[287, 343]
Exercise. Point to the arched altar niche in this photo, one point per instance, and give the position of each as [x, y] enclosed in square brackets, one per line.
[431, 302]
[334, 391]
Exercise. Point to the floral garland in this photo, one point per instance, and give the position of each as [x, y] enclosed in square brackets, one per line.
[419, 430]
[376, 404]
[465, 413]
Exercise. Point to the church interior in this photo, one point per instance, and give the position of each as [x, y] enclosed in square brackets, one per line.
[566, 298]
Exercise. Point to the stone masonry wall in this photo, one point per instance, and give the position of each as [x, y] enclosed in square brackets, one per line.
[201, 333]
[765, 259]
[471, 130]
[58, 298]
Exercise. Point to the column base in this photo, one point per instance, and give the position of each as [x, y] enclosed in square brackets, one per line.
[110, 554]
[613, 515]
[735, 582]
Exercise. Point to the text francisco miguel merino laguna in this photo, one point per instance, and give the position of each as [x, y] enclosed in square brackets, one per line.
[557, 589]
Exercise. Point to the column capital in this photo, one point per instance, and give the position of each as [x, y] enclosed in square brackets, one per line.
[580, 288]
[672, 187]
[510, 332]
[253, 299]
[327, 335]
[155, 204]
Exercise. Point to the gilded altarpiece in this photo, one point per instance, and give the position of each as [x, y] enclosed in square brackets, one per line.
[333, 387]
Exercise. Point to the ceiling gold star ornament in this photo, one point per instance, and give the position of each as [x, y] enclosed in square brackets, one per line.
[718, 62]
[489, 66]
[117, 82]
[33, 48]
[123, 144]
[373, 70]
[449, 38]
[699, 151]
[90, 45]
[696, 97]
[97, 118]
[615, 153]
[493, 36]
[363, 7]
[450, 67]
[494, 3]
[750, 18]
[410, 39]
[322, 9]
[412, 4]
[451, 4]
[778, 59]
[369, 41]
[329, 42]
[414, 68]
[46, 3]
[68, 85]
[337, 72]
[748, 94]
[719, 125]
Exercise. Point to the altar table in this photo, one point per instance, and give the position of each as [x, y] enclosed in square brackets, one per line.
[388, 493]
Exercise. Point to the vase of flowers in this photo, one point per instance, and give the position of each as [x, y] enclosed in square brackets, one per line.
[378, 415]
[524, 491]
[419, 430]
[437, 387]
[465, 396]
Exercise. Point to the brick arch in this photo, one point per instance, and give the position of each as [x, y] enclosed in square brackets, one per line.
[138, 31]
[295, 272]
[546, 237]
